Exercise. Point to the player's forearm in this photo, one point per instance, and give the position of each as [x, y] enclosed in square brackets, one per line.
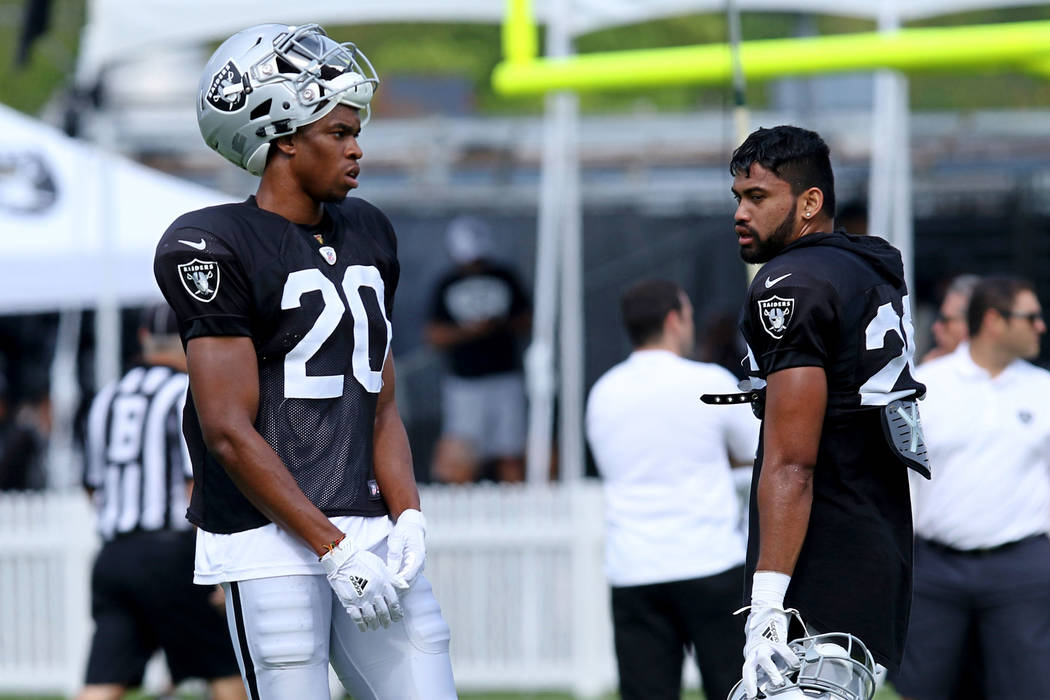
[785, 497]
[264, 480]
[393, 462]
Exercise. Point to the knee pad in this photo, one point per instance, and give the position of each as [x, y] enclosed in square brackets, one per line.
[287, 623]
[425, 626]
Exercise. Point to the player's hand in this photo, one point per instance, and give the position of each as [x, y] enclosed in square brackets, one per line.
[365, 586]
[406, 545]
[766, 652]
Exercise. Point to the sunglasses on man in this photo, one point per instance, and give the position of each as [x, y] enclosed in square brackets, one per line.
[1030, 316]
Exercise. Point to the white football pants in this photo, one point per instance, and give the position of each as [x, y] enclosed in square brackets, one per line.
[286, 630]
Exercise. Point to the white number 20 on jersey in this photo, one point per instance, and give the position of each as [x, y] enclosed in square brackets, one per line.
[297, 383]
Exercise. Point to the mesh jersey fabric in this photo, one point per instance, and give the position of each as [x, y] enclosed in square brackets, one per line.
[316, 302]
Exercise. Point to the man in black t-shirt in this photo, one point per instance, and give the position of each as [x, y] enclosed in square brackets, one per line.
[301, 464]
[829, 333]
[478, 316]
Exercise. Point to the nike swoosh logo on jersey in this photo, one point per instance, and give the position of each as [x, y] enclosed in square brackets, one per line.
[769, 282]
[198, 246]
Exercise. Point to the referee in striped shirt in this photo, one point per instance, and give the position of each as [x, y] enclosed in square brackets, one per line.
[138, 473]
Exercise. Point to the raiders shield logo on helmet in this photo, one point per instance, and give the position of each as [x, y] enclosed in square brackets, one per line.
[200, 278]
[776, 314]
[229, 89]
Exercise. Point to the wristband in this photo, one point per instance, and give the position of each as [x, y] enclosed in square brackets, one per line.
[331, 546]
[769, 588]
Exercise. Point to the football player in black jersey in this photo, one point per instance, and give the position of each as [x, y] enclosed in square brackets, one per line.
[829, 334]
[301, 463]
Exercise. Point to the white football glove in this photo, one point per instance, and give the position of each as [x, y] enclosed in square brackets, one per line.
[406, 545]
[365, 586]
[766, 651]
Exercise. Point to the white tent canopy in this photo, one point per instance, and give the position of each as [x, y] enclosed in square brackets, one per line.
[74, 219]
[118, 29]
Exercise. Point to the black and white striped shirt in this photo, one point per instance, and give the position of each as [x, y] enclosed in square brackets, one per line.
[137, 461]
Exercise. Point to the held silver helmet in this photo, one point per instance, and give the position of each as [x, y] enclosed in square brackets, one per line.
[271, 79]
[833, 666]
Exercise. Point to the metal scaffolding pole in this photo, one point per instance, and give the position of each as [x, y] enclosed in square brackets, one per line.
[889, 199]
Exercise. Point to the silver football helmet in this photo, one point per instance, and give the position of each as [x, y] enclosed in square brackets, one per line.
[833, 666]
[271, 79]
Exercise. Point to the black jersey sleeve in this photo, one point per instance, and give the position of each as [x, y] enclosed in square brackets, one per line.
[382, 232]
[792, 322]
[519, 299]
[204, 281]
[392, 275]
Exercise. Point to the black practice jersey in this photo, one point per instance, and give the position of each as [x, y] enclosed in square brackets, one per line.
[316, 302]
[840, 302]
[488, 292]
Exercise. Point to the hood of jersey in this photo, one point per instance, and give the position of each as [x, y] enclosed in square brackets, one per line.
[879, 252]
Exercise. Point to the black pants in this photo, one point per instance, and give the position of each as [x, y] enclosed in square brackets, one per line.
[653, 625]
[143, 598]
[1003, 598]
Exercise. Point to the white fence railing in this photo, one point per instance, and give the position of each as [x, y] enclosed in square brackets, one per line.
[47, 543]
[518, 572]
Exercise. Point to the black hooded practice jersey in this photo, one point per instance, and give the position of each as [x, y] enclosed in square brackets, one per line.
[316, 302]
[840, 302]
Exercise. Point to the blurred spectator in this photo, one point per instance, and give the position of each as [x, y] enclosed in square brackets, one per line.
[138, 472]
[23, 441]
[853, 216]
[949, 328]
[722, 344]
[982, 557]
[479, 316]
[674, 550]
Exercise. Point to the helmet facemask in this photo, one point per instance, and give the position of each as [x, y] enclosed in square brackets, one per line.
[322, 70]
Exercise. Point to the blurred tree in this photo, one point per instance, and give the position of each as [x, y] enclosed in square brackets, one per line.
[39, 55]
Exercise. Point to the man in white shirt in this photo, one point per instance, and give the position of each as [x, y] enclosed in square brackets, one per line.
[674, 548]
[949, 328]
[982, 557]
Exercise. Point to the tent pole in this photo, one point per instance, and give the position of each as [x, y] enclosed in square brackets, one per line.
[107, 306]
[65, 396]
[571, 338]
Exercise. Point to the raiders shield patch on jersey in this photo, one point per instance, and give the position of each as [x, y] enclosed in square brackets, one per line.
[229, 89]
[776, 314]
[200, 278]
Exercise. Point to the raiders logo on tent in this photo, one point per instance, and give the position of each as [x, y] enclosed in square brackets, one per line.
[200, 278]
[229, 89]
[776, 314]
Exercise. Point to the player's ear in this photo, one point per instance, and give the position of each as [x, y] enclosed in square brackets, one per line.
[811, 202]
[284, 144]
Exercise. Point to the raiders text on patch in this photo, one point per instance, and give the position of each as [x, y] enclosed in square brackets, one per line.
[200, 278]
[775, 314]
[228, 91]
